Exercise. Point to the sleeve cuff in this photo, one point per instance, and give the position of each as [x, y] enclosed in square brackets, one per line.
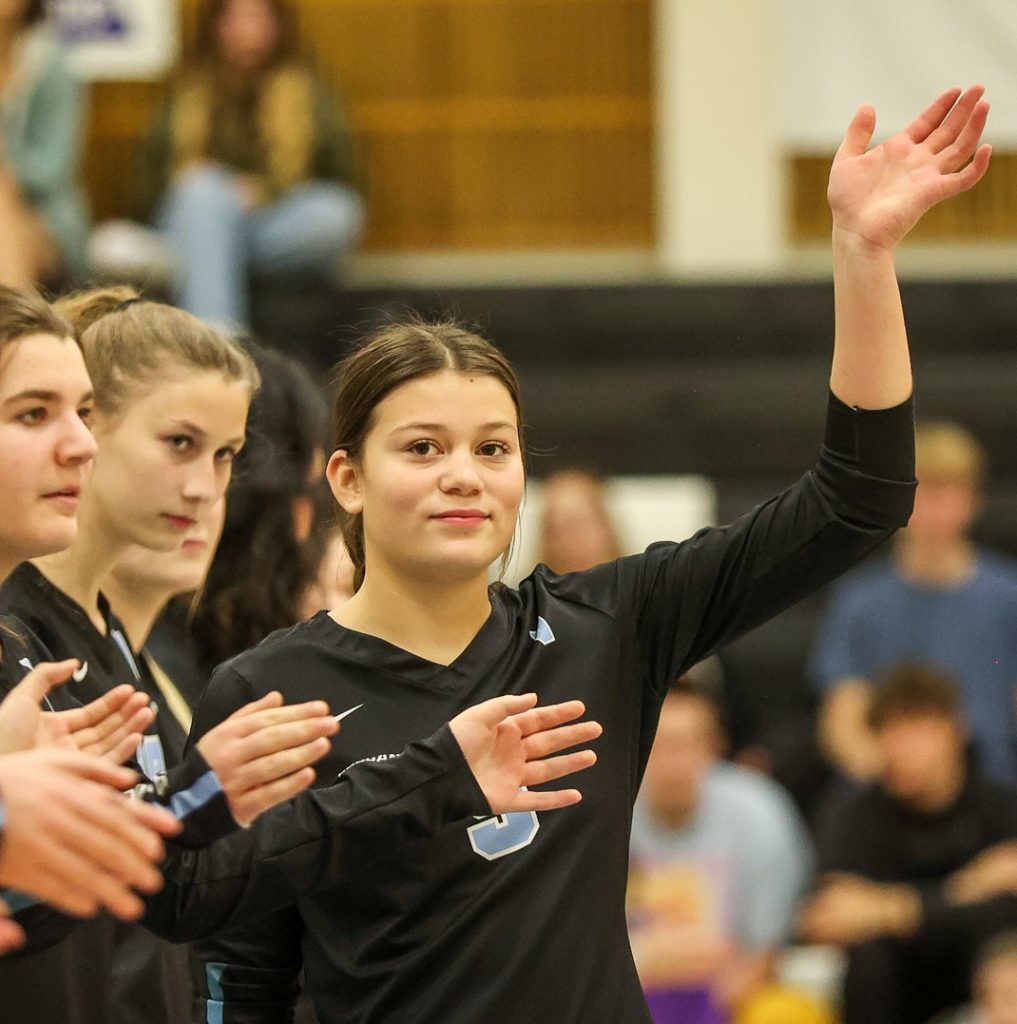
[195, 795]
[879, 442]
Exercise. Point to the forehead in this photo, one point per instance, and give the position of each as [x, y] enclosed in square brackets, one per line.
[206, 391]
[43, 362]
[451, 399]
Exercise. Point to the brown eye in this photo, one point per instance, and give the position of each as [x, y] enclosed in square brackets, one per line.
[493, 448]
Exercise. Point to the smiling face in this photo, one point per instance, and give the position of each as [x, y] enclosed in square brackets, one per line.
[440, 478]
[166, 458]
[45, 445]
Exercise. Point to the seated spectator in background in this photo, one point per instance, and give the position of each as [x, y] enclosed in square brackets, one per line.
[921, 866]
[576, 530]
[938, 600]
[43, 220]
[249, 165]
[720, 860]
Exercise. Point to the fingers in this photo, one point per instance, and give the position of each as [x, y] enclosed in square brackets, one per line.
[955, 120]
[270, 700]
[552, 740]
[12, 936]
[277, 765]
[491, 712]
[38, 683]
[87, 767]
[932, 117]
[110, 834]
[110, 722]
[529, 801]
[257, 801]
[962, 180]
[549, 716]
[124, 750]
[95, 713]
[156, 818]
[537, 772]
[859, 133]
[262, 720]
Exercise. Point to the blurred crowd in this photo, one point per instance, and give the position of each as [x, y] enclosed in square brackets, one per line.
[906, 863]
[903, 872]
[246, 172]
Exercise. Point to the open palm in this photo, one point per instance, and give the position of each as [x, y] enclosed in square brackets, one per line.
[880, 194]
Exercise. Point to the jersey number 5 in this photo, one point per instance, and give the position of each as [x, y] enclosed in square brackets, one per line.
[504, 834]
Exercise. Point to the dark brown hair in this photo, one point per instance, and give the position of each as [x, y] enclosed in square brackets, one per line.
[206, 44]
[914, 691]
[262, 568]
[128, 341]
[389, 357]
[25, 313]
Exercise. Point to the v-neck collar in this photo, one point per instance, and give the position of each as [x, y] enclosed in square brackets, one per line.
[486, 646]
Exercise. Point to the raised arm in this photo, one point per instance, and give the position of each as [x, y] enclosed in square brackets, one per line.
[876, 197]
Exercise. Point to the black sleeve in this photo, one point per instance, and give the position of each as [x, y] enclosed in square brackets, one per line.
[685, 600]
[250, 975]
[296, 848]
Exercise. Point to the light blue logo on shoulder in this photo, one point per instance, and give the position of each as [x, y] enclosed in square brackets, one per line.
[543, 633]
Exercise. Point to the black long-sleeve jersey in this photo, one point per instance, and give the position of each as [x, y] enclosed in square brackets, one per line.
[64, 975]
[522, 917]
[150, 979]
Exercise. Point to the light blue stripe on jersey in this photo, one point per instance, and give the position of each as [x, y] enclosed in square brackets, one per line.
[188, 800]
[16, 900]
[215, 1003]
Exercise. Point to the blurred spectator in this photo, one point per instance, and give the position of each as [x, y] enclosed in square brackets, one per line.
[720, 859]
[249, 165]
[938, 600]
[576, 530]
[922, 865]
[43, 220]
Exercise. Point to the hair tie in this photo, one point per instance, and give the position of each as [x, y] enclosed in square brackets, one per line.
[127, 303]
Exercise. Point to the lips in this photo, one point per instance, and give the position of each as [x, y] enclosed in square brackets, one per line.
[462, 517]
[66, 497]
[179, 522]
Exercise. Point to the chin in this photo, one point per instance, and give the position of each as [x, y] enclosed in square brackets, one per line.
[54, 541]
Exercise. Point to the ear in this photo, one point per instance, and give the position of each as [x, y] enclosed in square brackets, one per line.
[343, 475]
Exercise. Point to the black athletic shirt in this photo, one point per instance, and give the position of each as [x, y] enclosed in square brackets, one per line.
[63, 975]
[522, 918]
[106, 655]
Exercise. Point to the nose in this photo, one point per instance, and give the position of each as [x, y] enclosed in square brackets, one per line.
[206, 481]
[460, 474]
[77, 446]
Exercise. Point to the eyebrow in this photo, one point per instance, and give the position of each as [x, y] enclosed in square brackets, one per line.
[193, 428]
[42, 395]
[484, 427]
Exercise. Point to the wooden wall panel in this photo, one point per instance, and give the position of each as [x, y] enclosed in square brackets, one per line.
[480, 123]
[986, 213]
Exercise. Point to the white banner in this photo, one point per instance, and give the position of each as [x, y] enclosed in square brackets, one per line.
[119, 39]
[897, 55]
